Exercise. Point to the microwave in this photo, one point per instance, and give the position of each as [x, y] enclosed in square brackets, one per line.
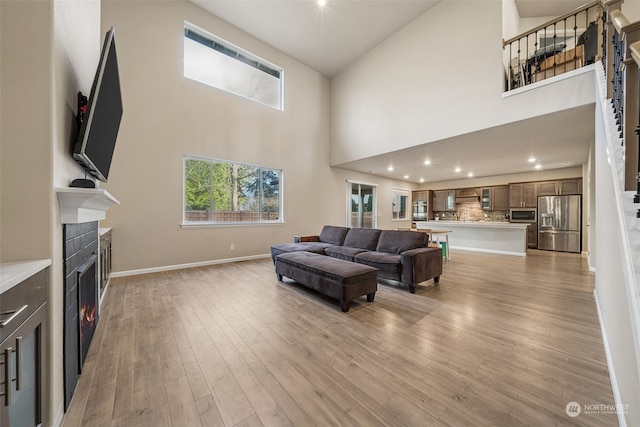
[523, 215]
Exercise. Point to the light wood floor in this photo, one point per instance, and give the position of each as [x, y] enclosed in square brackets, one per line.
[503, 341]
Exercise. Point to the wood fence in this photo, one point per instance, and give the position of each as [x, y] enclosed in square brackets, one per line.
[229, 216]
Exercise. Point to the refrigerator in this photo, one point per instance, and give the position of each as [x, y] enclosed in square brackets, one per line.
[560, 223]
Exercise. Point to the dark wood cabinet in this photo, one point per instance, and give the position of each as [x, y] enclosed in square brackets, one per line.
[105, 259]
[421, 196]
[23, 344]
[570, 186]
[532, 235]
[523, 195]
[439, 200]
[560, 187]
[444, 200]
[494, 198]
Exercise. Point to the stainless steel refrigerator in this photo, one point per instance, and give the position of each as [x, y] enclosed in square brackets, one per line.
[560, 223]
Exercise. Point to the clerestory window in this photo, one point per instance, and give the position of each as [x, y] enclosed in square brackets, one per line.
[215, 62]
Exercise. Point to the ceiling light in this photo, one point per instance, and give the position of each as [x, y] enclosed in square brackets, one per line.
[421, 179]
[390, 168]
[406, 177]
[538, 166]
[470, 174]
[427, 162]
[322, 3]
[531, 159]
[458, 169]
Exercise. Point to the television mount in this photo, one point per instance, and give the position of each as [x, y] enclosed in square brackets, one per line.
[82, 109]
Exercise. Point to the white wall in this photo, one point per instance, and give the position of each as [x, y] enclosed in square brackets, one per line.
[510, 19]
[631, 10]
[613, 280]
[411, 89]
[167, 116]
[26, 167]
[49, 51]
[76, 49]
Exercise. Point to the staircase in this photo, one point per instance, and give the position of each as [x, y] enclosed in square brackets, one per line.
[617, 258]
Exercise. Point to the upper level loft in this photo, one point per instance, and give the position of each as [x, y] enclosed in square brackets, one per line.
[564, 44]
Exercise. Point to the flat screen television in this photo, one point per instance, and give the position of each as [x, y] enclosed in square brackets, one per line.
[99, 119]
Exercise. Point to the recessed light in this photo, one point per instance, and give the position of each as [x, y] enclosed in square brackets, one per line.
[458, 170]
[390, 168]
[421, 179]
[538, 166]
[322, 3]
[470, 174]
[406, 177]
[531, 159]
[427, 162]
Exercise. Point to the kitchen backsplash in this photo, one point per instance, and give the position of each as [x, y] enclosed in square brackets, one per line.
[473, 212]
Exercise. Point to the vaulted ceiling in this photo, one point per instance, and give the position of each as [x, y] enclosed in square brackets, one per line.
[330, 37]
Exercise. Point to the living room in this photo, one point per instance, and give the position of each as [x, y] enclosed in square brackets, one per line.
[168, 116]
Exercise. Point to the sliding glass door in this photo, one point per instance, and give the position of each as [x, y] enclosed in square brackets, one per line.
[362, 205]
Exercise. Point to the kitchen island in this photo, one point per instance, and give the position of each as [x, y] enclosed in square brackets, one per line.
[483, 236]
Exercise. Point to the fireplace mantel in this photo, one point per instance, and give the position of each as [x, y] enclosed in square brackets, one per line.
[78, 205]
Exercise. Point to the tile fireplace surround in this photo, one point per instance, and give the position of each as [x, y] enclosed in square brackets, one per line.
[81, 209]
[80, 244]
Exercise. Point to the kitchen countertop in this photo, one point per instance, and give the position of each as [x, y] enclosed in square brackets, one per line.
[484, 224]
[12, 273]
[500, 237]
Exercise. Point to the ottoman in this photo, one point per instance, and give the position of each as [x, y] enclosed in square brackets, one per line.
[336, 278]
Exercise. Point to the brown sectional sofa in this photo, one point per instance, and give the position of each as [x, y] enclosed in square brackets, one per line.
[398, 255]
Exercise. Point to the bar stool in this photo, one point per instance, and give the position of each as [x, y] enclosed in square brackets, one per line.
[446, 249]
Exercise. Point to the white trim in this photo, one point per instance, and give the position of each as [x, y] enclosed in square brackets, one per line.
[491, 251]
[188, 265]
[79, 205]
[351, 181]
[612, 372]
[397, 189]
[59, 417]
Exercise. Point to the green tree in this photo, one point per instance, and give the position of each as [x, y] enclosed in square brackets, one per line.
[198, 185]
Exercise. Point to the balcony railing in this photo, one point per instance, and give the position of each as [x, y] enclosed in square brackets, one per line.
[564, 44]
[625, 93]
[597, 31]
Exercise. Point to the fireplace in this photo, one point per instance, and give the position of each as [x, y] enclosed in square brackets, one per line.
[80, 299]
[87, 304]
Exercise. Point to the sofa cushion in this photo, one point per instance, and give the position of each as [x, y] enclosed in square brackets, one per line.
[333, 234]
[315, 247]
[363, 238]
[346, 253]
[388, 265]
[398, 241]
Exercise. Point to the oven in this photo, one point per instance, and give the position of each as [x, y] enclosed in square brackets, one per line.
[523, 215]
[420, 210]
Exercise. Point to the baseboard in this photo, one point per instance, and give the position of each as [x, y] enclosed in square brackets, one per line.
[489, 251]
[57, 420]
[622, 422]
[188, 265]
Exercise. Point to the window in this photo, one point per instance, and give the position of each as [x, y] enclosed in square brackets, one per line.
[220, 192]
[399, 201]
[218, 63]
[361, 205]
